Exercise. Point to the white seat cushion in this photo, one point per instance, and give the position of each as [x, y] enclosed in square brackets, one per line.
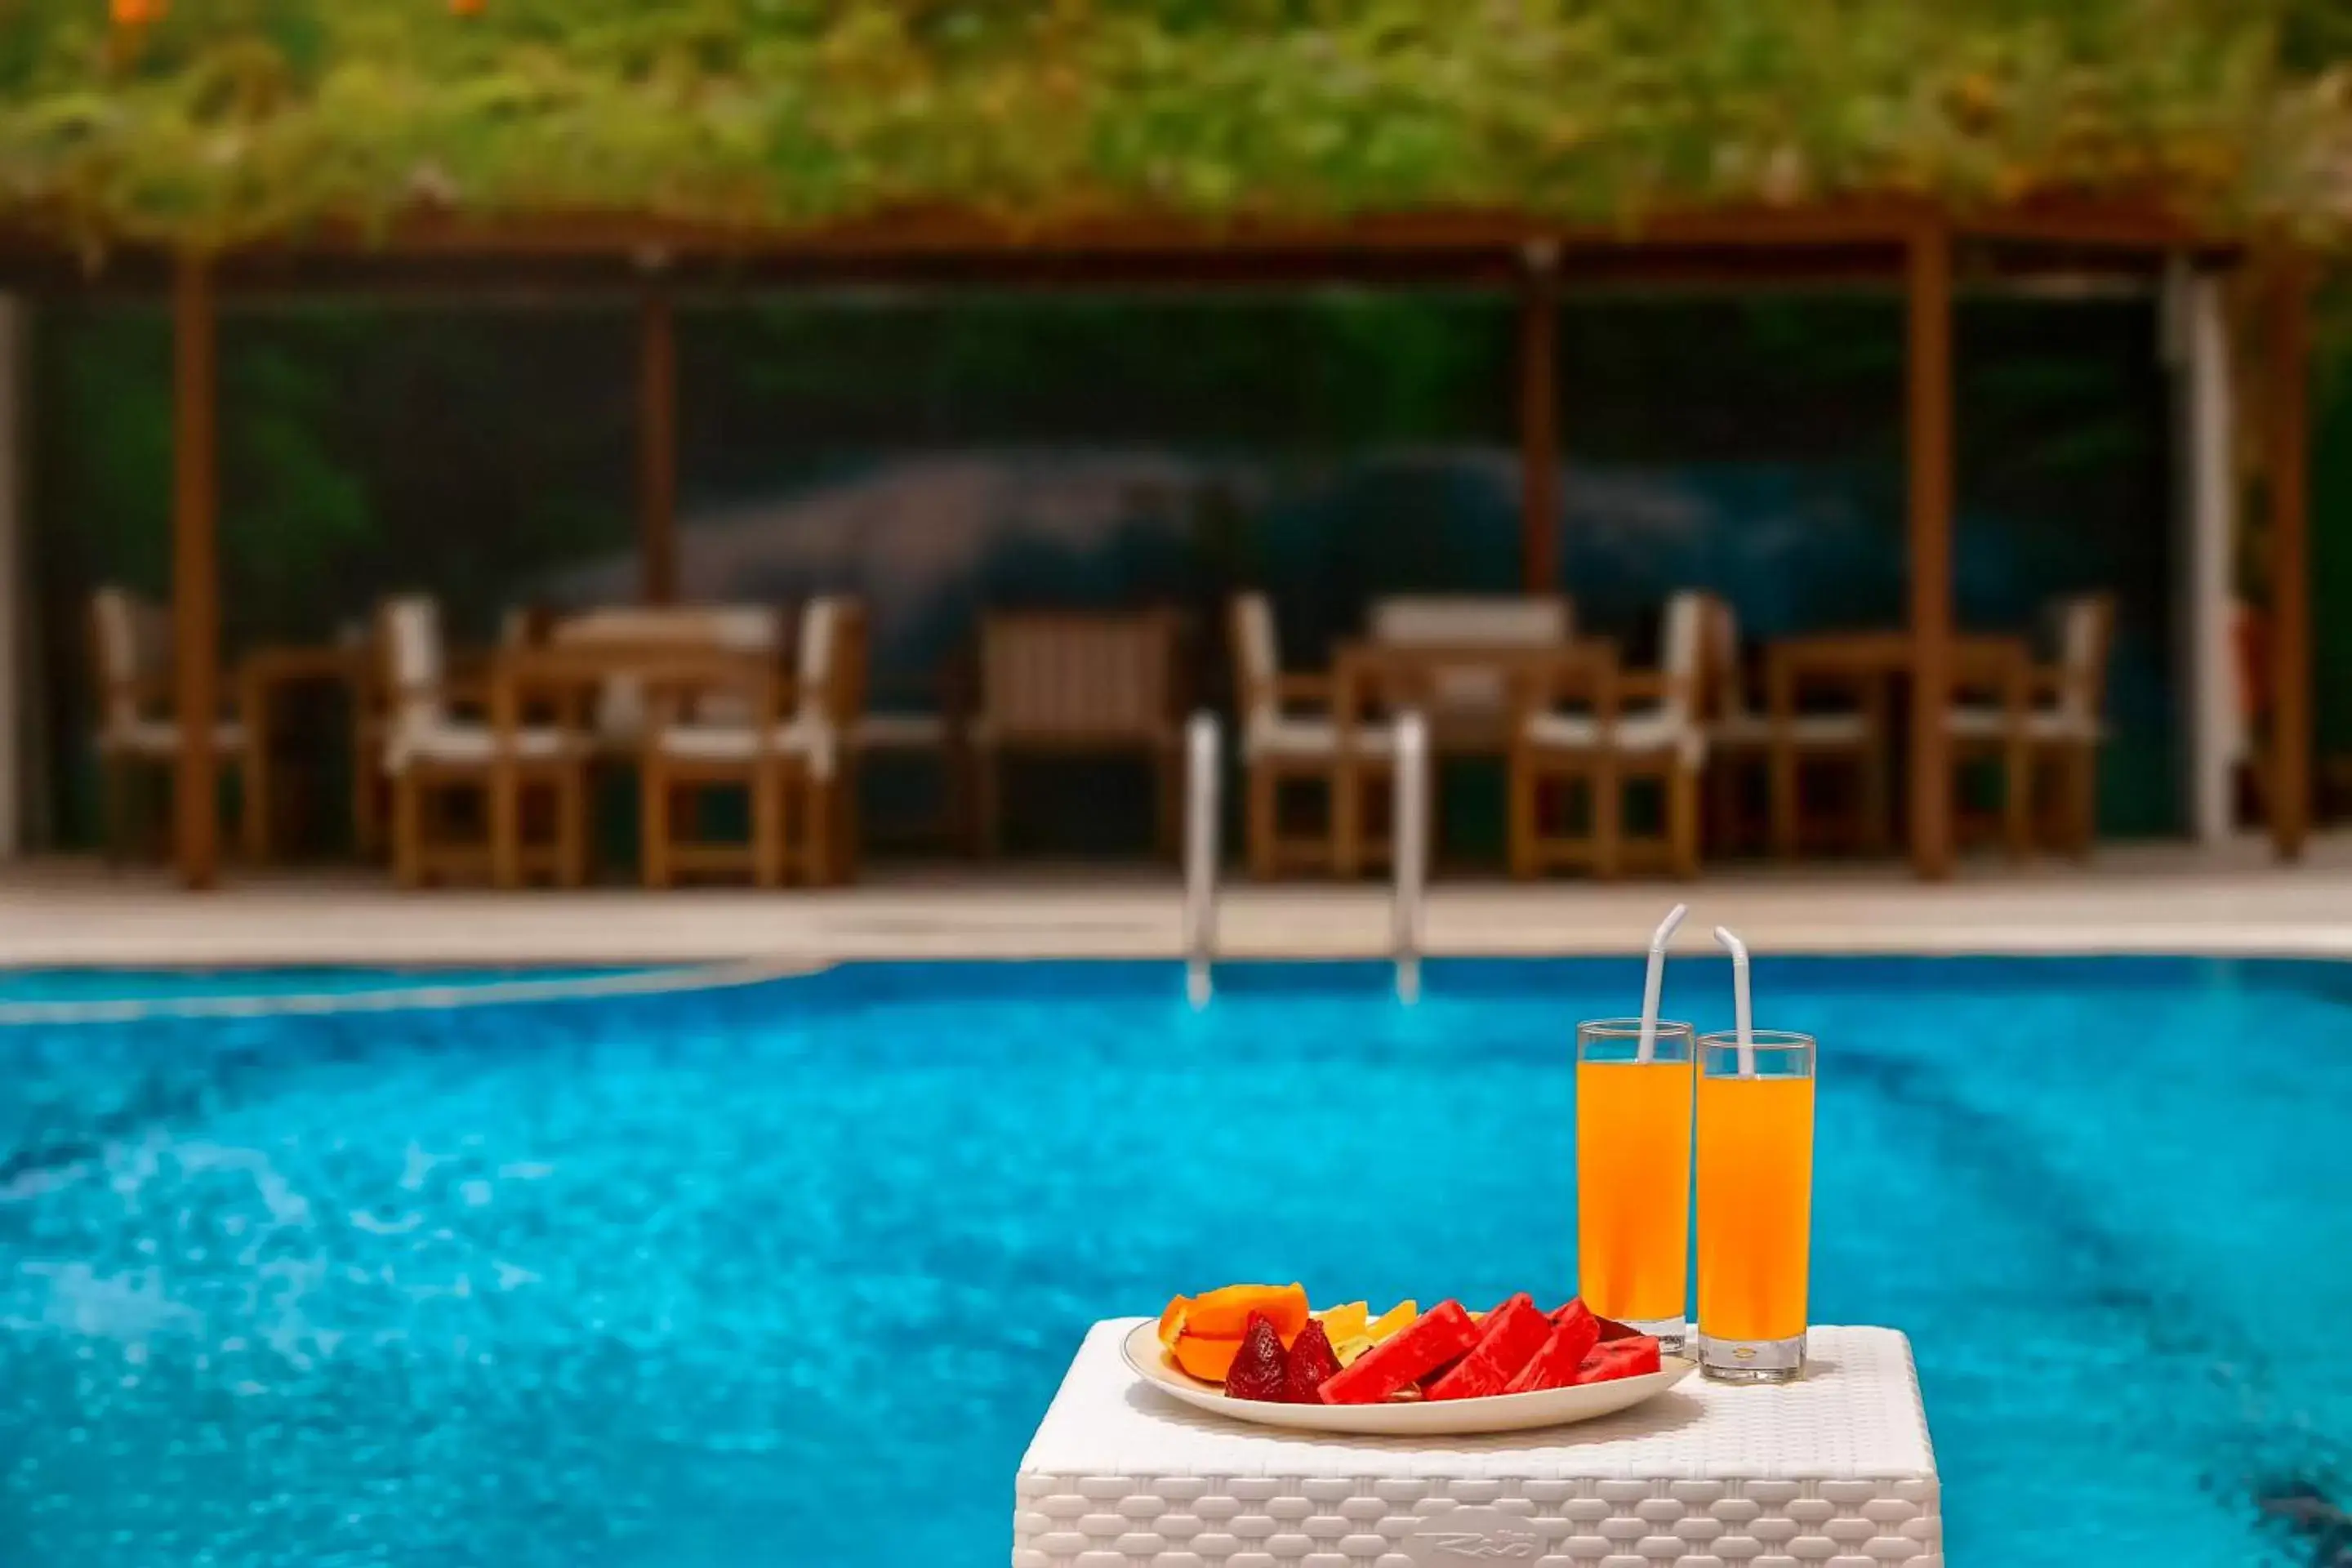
[804, 739]
[1286, 735]
[1637, 733]
[446, 743]
[161, 738]
[1823, 729]
[1981, 721]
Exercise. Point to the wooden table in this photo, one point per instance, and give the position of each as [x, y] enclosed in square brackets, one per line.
[1392, 676]
[1864, 659]
[267, 674]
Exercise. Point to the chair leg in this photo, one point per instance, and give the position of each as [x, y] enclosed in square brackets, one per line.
[114, 808]
[2081, 786]
[1682, 819]
[818, 834]
[2017, 798]
[506, 826]
[848, 818]
[571, 828]
[653, 823]
[1168, 799]
[1263, 815]
[1524, 783]
[407, 829]
[767, 826]
[1347, 821]
[1608, 813]
[988, 800]
[1785, 802]
[1877, 829]
[253, 810]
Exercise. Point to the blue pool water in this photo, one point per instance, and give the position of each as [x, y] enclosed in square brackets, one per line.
[728, 1276]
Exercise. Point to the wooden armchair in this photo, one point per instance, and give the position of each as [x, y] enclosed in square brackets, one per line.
[1288, 735]
[1743, 735]
[2042, 722]
[1072, 683]
[436, 744]
[1630, 726]
[784, 741]
[138, 729]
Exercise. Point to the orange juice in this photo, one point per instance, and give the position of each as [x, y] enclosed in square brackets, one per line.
[1633, 1188]
[1755, 1205]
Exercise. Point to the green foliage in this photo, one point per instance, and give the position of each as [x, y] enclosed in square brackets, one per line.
[231, 120]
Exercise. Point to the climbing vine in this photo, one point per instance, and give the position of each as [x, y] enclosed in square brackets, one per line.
[212, 122]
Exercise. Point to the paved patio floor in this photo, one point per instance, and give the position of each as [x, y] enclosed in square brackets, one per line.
[2167, 898]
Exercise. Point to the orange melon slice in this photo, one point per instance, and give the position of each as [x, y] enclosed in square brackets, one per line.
[1224, 1314]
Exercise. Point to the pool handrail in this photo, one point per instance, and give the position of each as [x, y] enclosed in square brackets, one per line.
[1408, 841]
[1201, 819]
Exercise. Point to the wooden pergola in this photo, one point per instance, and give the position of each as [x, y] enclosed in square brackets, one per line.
[1922, 249]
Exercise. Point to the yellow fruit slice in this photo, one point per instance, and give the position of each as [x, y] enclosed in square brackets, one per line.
[1390, 1322]
[1349, 1349]
[1346, 1322]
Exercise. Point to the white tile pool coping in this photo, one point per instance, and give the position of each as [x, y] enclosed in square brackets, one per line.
[2154, 898]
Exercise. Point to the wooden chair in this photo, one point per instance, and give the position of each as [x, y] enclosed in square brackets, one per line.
[1074, 683]
[138, 732]
[782, 742]
[2045, 724]
[1742, 736]
[1604, 746]
[926, 718]
[1282, 744]
[431, 750]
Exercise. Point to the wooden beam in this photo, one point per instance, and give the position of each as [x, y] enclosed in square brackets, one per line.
[195, 584]
[1929, 452]
[1540, 429]
[2288, 420]
[658, 446]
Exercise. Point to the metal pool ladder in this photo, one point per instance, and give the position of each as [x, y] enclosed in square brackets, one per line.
[1409, 849]
[1201, 818]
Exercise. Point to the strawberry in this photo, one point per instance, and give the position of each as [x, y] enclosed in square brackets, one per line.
[1312, 1362]
[1259, 1371]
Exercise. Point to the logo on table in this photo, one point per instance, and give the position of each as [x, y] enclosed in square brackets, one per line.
[1472, 1535]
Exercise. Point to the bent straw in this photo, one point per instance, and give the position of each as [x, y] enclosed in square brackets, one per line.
[1655, 981]
[1743, 1018]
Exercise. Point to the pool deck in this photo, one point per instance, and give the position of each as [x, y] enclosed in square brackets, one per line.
[2137, 899]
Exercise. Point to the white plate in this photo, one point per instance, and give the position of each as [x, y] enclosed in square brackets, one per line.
[1412, 1417]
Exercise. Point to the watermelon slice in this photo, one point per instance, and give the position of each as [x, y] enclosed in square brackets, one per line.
[1613, 1359]
[1574, 1333]
[1511, 1333]
[1438, 1336]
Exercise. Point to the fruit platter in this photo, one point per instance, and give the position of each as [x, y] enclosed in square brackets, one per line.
[1261, 1354]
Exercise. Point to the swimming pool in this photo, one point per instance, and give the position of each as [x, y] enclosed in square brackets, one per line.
[720, 1277]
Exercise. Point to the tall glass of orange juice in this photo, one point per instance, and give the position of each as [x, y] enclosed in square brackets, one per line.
[1632, 1175]
[1755, 1203]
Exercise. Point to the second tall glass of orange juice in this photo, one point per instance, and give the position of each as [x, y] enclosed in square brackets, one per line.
[1755, 1203]
[1632, 1175]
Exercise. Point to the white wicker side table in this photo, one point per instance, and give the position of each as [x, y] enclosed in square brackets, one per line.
[1833, 1472]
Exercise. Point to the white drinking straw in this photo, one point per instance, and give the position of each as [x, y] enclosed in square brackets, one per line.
[1741, 1014]
[1657, 981]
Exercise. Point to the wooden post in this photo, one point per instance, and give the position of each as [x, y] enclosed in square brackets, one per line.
[1928, 451]
[196, 585]
[658, 446]
[1540, 426]
[2288, 425]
